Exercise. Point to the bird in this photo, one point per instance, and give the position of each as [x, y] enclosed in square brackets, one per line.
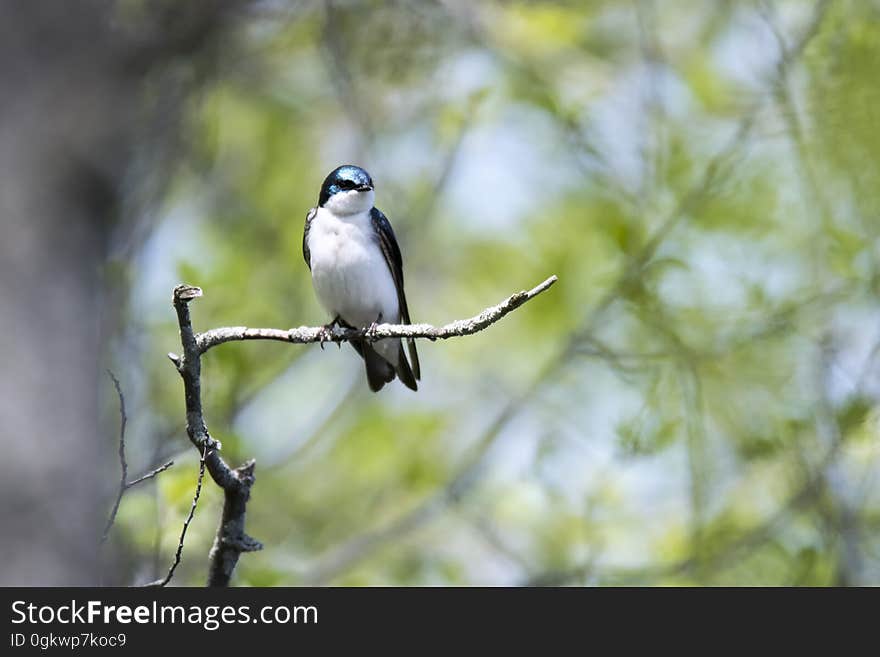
[357, 272]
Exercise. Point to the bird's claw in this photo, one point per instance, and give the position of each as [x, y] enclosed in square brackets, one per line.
[326, 333]
[370, 331]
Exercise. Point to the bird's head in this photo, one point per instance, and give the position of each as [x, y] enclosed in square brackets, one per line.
[347, 190]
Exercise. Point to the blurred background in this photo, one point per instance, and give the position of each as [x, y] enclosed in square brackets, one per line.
[695, 402]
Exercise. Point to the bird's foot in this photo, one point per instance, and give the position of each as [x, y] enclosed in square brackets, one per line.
[326, 332]
[370, 332]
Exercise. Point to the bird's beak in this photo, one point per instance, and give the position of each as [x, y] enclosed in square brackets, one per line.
[363, 188]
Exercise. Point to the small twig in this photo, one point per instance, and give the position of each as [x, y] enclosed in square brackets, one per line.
[123, 484]
[123, 420]
[192, 510]
[308, 334]
[149, 475]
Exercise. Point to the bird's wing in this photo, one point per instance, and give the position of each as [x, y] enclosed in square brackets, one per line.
[306, 254]
[391, 251]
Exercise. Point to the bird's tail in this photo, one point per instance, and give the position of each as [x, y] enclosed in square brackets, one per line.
[379, 370]
[403, 369]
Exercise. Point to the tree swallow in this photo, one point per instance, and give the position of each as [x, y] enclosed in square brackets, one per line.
[357, 271]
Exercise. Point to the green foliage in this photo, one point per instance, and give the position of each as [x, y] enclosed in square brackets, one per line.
[693, 402]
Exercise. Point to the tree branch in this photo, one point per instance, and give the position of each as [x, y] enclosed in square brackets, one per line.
[123, 484]
[123, 420]
[309, 334]
[192, 511]
[231, 539]
[149, 475]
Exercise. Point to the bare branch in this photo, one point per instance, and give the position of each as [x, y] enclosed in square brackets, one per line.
[230, 540]
[309, 334]
[192, 510]
[123, 484]
[152, 473]
[123, 420]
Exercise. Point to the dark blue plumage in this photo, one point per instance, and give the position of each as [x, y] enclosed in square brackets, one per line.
[346, 177]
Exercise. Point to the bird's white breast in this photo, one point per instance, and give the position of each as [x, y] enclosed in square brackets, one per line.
[349, 272]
